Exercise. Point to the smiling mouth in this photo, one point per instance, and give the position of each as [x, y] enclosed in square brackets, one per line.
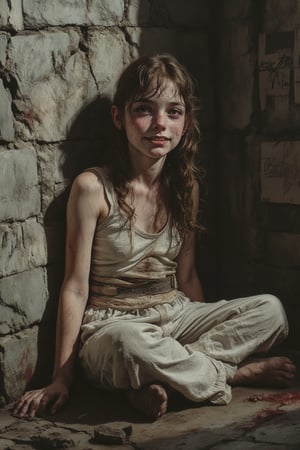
[157, 139]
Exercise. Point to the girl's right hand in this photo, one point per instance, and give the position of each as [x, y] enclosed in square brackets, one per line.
[36, 401]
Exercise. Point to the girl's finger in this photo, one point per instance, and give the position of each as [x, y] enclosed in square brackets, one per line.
[34, 406]
[20, 407]
[59, 403]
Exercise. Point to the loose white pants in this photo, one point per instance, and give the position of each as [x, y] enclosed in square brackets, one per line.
[193, 347]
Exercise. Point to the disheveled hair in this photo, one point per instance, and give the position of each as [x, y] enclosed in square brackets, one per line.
[144, 78]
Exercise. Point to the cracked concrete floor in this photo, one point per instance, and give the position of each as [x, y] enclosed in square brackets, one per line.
[260, 419]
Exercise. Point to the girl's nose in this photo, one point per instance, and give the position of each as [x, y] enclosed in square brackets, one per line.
[158, 122]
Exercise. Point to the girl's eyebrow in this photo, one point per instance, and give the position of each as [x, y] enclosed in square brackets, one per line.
[177, 104]
[148, 100]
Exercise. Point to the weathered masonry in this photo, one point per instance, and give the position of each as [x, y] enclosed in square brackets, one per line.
[58, 65]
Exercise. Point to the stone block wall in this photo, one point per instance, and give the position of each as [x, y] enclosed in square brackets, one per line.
[58, 65]
[258, 158]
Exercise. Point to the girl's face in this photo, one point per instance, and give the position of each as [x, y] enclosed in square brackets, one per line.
[154, 125]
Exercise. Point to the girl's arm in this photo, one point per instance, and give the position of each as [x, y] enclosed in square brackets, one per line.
[86, 204]
[83, 211]
[187, 276]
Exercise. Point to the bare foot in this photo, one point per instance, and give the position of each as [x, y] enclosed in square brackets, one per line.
[151, 400]
[276, 371]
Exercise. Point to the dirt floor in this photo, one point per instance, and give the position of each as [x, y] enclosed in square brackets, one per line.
[262, 419]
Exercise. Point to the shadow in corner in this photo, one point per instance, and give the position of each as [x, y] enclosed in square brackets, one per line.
[91, 406]
[87, 144]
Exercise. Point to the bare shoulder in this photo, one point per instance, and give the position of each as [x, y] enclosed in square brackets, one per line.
[88, 182]
[88, 195]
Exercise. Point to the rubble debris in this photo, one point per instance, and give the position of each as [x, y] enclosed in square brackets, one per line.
[112, 435]
[51, 440]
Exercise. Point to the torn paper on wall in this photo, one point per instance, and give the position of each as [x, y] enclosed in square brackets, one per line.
[276, 54]
[280, 172]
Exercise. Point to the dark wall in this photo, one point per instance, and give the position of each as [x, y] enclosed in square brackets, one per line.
[258, 160]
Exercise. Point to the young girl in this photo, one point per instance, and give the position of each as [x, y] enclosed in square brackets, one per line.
[131, 296]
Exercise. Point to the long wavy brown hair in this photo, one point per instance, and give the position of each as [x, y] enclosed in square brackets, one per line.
[146, 77]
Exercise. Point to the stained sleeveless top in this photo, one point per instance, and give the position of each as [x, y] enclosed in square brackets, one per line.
[124, 261]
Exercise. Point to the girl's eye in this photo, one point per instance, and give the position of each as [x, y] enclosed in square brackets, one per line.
[142, 109]
[174, 113]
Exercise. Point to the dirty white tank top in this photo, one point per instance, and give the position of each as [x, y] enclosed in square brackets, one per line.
[126, 262]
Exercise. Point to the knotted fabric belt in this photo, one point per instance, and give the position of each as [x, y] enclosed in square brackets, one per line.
[151, 287]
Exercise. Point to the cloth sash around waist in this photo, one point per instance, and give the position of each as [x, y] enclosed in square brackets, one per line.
[141, 295]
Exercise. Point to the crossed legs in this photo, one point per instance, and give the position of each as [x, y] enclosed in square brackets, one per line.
[150, 357]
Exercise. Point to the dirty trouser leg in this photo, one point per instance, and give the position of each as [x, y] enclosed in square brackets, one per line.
[193, 347]
[231, 331]
[131, 351]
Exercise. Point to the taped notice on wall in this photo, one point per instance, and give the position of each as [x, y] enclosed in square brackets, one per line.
[279, 66]
[280, 172]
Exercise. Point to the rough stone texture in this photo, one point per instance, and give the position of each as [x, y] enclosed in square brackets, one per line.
[26, 360]
[22, 246]
[6, 444]
[6, 116]
[19, 192]
[11, 14]
[55, 82]
[53, 439]
[56, 170]
[3, 47]
[35, 54]
[112, 435]
[139, 13]
[18, 357]
[46, 164]
[22, 300]
[108, 52]
[88, 12]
